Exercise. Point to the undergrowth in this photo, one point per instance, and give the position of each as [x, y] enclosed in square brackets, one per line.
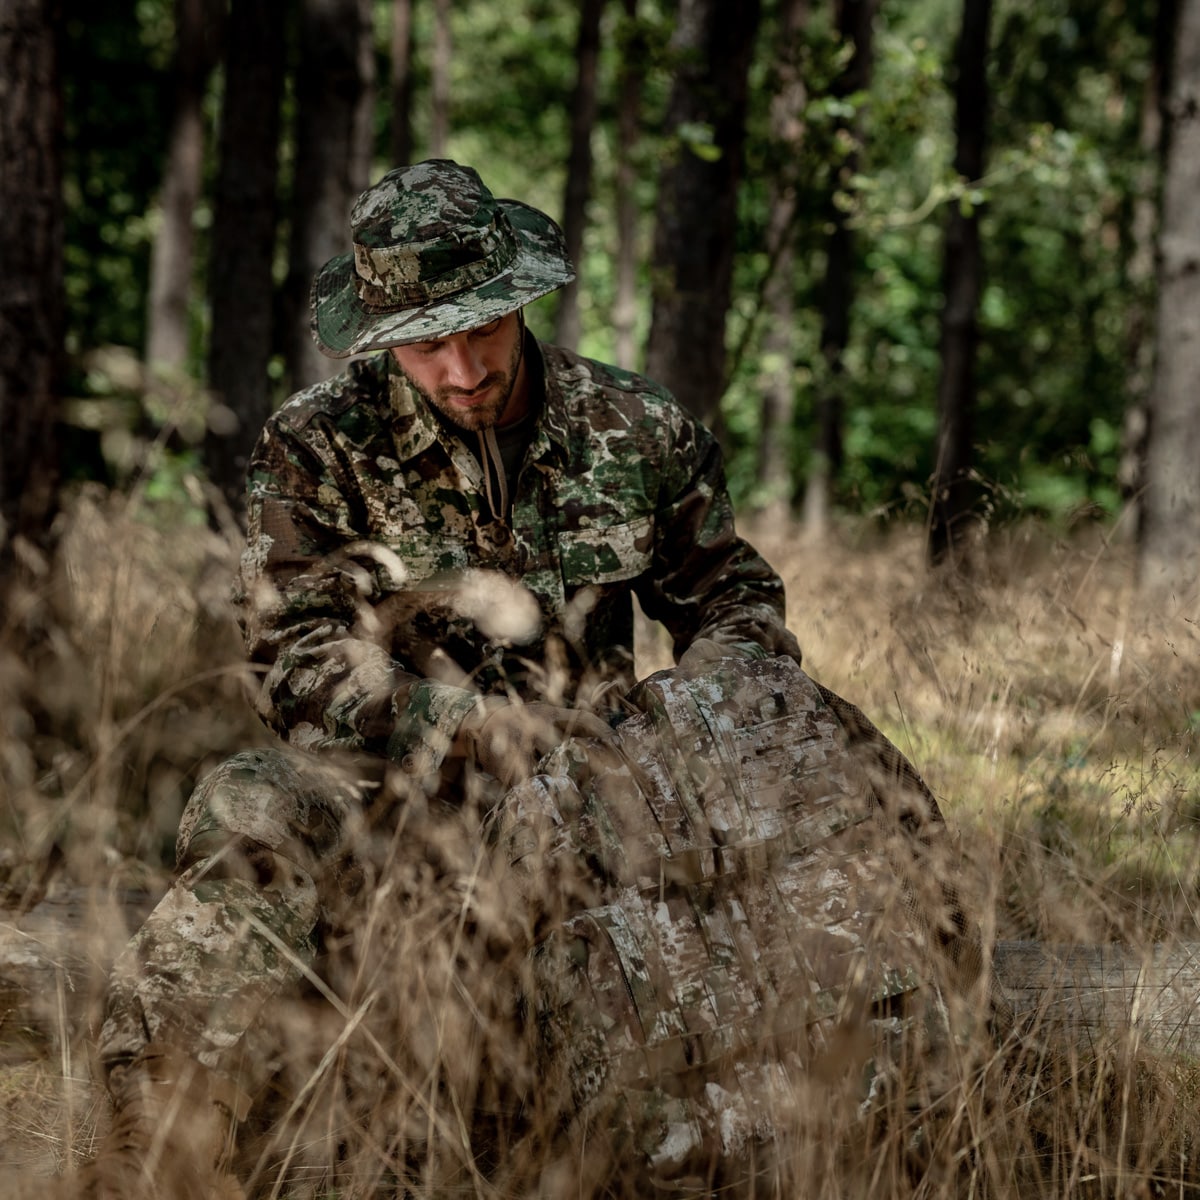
[1052, 710]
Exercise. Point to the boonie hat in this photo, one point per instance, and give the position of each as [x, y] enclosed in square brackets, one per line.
[435, 253]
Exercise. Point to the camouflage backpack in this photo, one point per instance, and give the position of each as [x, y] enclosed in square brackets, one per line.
[756, 896]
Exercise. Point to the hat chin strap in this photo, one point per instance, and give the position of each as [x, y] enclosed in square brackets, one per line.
[495, 474]
[520, 341]
[495, 477]
[520, 353]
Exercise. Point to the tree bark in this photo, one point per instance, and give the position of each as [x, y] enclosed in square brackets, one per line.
[856, 28]
[31, 265]
[401, 141]
[197, 42]
[241, 285]
[692, 260]
[1142, 235]
[789, 96]
[439, 80]
[631, 81]
[334, 100]
[962, 277]
[1170, 534]
[579, 167]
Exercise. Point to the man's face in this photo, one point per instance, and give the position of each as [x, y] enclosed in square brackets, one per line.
[474, 379]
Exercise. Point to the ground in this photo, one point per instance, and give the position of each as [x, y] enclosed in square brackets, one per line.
[1051, 706]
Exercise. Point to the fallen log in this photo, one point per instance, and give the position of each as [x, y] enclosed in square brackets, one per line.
[1091, 990]
[55, 957]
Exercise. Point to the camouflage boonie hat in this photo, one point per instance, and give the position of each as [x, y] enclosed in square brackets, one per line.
[435, 253]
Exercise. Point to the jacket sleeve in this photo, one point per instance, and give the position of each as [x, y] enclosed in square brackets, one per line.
[308, 590]
[706, 581]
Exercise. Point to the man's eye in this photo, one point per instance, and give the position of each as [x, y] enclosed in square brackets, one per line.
[488, 329]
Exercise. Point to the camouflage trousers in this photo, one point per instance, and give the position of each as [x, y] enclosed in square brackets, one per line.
[265, 852]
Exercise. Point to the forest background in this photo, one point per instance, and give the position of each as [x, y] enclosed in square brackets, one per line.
[928, 267]
[884, 247]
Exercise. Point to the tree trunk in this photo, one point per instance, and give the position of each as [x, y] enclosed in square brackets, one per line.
[1139, 275]
[856, 28]
[197, 41]
[631, 80]
[579, 167]
[243, 246]
[439, 80]
[401, 142]
[31, 265]
[788, 98]
[962, 276]
[334, 99]
[1170, 535]
[697, 202]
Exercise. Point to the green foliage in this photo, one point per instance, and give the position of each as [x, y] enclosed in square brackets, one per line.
[1058, 313]
[697, 138]
[115, 61]
[1060, 308]
[512, 75]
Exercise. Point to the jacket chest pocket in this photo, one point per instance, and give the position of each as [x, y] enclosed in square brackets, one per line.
[606, 553]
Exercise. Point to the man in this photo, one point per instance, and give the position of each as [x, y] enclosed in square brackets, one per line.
[444, 544]
[468, 447]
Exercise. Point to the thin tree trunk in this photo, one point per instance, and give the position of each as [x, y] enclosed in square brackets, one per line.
[31, 265]
[856, 28]
[579, 166]
[962, 275]
[631, 81]
[697, 203]
[334, 99]
[779, 341]
[1170, 542]
[197, 41]
[401, 143]
[1139, 273]
[439, 80]
[243, 246]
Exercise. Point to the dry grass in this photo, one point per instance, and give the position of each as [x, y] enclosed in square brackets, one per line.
[1044, 700]
[1051, 708]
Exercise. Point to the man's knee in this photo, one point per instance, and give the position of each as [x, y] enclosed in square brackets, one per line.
[268, 804]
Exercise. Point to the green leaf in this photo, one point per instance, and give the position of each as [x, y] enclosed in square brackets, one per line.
[697, 136]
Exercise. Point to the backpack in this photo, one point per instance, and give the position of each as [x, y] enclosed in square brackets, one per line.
[752, 894]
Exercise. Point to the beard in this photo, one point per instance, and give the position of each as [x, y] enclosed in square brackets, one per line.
[478, 416]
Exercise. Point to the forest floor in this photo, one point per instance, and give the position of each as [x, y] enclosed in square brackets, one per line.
[1052, 709]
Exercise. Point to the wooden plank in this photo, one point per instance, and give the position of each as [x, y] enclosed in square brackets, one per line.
[1149, 992]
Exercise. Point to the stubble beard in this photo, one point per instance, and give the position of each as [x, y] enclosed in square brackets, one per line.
[483, 416]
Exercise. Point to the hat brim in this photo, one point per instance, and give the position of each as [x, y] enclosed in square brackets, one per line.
[342, 326]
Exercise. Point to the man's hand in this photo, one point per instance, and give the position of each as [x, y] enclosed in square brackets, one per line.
[703, 652]
[508, 738]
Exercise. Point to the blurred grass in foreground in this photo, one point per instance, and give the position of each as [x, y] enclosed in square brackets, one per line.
[1053, 712]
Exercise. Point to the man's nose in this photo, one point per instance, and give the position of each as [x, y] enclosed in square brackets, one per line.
[465, 368]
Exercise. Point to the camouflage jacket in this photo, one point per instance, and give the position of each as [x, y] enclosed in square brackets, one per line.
[384, 597]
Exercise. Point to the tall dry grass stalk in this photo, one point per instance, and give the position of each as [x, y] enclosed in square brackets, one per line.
[1050, 708]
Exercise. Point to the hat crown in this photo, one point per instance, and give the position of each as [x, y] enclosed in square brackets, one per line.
[426, 232]
[422, 203]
